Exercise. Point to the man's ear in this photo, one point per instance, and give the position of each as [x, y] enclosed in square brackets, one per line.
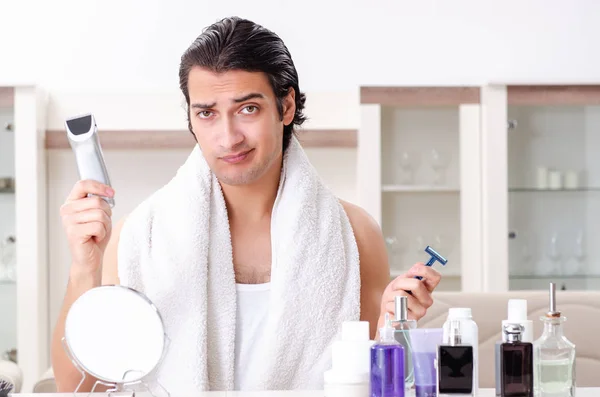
[289, 107]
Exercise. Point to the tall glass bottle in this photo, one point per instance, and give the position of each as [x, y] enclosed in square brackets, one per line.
[554, 356]
[402, 326]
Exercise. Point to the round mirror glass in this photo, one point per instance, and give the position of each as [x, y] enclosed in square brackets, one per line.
[115, 334]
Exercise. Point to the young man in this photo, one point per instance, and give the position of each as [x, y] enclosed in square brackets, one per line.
[244, 101]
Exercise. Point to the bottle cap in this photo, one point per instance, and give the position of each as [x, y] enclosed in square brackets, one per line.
[355, 330]
[459, 312]
[552, 312]
[517, 310]
[513, 332]
[517, 314]
[401, 308]
[386, 333]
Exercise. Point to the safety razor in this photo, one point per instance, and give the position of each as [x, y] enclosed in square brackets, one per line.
[82, 133]
[435, 257]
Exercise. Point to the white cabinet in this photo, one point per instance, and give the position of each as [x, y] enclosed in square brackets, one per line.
[502, 180]
[551, 187]
[418, 174]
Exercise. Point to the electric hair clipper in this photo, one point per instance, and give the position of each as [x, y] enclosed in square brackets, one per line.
[83, 138]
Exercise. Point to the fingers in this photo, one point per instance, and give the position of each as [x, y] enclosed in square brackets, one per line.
[416, 287]
[431, 277]
[89, 186]
[416, 309]
[85, 231]
[92, 216]
[84, 204]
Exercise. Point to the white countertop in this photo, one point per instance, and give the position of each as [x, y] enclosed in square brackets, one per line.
[581, 392]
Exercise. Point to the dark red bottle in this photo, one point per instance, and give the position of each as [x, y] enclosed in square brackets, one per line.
[516, 364]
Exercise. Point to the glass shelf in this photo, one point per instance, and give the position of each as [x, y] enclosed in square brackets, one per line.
[418, 189]
[554, 276]
[7, 282]
[7, 190]
[534, 190]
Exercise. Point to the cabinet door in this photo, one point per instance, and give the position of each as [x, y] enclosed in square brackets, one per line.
[8, 290]
[553, 186]
[418, 172]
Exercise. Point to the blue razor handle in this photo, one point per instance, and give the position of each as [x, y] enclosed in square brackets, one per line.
[435, 257]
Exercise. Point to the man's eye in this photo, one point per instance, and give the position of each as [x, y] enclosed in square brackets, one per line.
[250, 109]
[204, 114]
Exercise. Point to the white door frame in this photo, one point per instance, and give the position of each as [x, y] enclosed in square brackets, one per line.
[33, 335]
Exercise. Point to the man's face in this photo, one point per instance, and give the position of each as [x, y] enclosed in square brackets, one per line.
[235, 120]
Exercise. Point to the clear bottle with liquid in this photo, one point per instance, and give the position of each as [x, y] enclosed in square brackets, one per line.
[402, 326]
[554, 356]
[387, 364]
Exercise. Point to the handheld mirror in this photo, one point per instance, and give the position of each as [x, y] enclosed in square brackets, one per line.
[115, 334]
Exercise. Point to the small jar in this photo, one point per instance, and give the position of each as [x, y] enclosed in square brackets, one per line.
[347, 385]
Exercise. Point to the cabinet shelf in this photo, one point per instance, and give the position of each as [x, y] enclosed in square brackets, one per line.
[445, 274]
[419, 96]
[418, 189]
[535, 190]
[7, 282]
[553, 276]
[8, 190]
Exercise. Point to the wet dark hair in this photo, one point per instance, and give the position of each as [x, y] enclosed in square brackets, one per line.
[239, 44]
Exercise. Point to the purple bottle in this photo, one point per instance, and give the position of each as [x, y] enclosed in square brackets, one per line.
[387, 364]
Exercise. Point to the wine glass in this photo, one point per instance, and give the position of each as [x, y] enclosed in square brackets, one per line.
[443, 243]
[8, 259]
[408, 164]
[396, 246]
[554, 252]
[579, 251]
[439, 162]
[420, 244]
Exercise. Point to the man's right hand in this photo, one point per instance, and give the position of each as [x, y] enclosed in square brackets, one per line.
[87, 223]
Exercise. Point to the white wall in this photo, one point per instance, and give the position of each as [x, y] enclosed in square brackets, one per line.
[136, 45]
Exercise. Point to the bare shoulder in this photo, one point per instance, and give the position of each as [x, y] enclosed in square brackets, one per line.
[364, 225]
[110, 268]
[369, 238]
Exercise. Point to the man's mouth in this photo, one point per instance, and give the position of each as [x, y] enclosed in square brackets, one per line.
[237, 157]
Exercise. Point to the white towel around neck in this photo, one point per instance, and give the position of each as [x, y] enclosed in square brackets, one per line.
[175, 247]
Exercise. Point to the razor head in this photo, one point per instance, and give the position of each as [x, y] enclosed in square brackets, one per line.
[82, 134]
[436, 255]
[80, 125]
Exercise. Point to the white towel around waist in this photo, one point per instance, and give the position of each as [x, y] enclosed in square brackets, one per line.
[175, 247]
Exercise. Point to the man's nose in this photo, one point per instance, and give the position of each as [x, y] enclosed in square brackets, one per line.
[231, 135]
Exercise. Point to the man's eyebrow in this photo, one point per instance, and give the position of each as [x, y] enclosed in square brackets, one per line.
[252, 95]
[244, 98]
[204, 105]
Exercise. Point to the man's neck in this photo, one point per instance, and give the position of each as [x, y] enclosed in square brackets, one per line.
[253, 202]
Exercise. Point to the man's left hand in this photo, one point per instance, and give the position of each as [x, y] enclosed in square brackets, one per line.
[419, 300]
